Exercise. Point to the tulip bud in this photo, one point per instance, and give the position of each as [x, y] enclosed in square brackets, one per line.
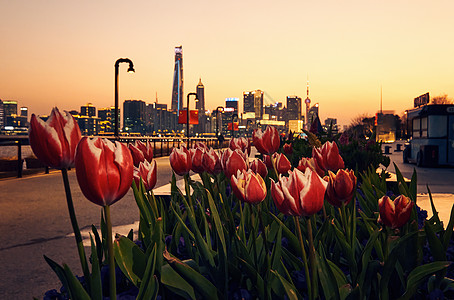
[211, 162]
[180, 160]
[147, 150]
[299, 194]
[395, 214]
[196, 159]
[248, 187]
[327, 157]
[240, 143]
[266, 142]
[137, 154]
[235, 162]
[283, 165]
[287, 148]
[259, 167]
[341, 187]
[54, 142]
[104, 170]
[146, 173]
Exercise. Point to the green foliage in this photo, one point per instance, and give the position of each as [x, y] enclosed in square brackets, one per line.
[217, 245]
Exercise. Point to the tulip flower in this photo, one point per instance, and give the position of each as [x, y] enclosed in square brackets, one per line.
[235, 162]
[248, 186]
[240, 143]
[200, 145]
[327, 157]
[211, 162]
[54, 142]
[283, 165]
[341, 187]
[104, 170]
[196, 159]
[287, 148]
[300, 194]
[267, 161]
[146, 172]
[266, 142]
[259, 167]
[146, 149]
[395, 214]
[137, 154]
[180, 160]
[309, 163]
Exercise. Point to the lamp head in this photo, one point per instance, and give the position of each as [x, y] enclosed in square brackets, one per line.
[131, 69]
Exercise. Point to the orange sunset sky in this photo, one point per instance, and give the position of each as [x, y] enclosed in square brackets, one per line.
[62, 53]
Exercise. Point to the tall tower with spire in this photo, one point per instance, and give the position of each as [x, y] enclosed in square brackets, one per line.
[177, 89]
[200, 106]
[308, 105]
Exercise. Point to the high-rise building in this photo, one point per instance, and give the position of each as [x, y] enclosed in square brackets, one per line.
[200, 106]
[88, 110]
[106, 120]
[293, 108]
[9, 108]
[248, 102]
[134, 116]
[307, 101]
[258, 104]
[177, 89]
[313, 114]
[253, 103]
[231, 103]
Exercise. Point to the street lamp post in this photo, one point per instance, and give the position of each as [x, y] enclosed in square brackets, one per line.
[217, 119]
[130, 70]
[187, 114]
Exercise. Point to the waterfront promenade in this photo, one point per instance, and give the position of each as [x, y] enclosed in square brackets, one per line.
[34, 222]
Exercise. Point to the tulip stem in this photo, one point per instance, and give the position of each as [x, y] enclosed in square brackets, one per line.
[273, 163]
[77, 235]
[262, 228]
[254, 236]
[112, 281]
[311, 257]
[303, 252]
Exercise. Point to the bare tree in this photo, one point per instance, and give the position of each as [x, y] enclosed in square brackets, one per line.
[442, 99]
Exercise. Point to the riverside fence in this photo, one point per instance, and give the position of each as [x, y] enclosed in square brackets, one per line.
[14, 160]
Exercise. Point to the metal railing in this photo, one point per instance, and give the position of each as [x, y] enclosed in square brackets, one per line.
[162, 146]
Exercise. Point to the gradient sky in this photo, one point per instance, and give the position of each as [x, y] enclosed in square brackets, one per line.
[62, 53]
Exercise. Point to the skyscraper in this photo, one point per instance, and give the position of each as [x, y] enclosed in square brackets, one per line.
[134, 116]
[294, 108]
[258, 104]
[177, 89]
[88, 110]
[200, 106]
[253, 103]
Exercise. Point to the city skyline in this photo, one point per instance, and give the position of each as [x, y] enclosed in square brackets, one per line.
[62, 53]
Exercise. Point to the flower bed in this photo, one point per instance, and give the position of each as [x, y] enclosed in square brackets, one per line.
[278, 227]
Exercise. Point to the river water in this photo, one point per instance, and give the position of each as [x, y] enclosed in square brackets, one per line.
[10, 152]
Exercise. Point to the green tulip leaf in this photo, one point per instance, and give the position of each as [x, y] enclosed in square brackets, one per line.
[390, 263]
[255, 277]
[419, 274]
[436, 247]
[202, 285]
[174, 282]
[76, 288]
[95, 278]
[60, 273]
[290, 289]
[99, 246]
[448, 232]
[131, 260]
[149, 285]
[327, 279]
